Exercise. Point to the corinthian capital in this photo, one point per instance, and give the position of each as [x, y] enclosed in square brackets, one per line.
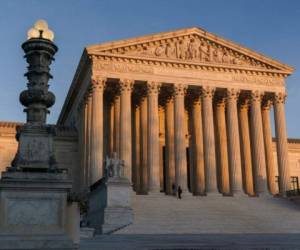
[256, 96]
[208, 92]
[180, 89]
[279, 97]
[232, 94]
[98, 83]
[126, 85]
[244, 104]
[220, 101]
[266, 104]
[153, 87]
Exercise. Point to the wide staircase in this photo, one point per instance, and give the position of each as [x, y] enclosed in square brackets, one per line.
[161, 214]
[213, 222]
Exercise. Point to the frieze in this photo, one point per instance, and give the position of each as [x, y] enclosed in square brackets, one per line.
[118, 67]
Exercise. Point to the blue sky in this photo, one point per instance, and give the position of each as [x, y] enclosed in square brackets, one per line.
[270, 27]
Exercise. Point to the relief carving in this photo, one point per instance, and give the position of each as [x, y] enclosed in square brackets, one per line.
[190, 48]
[35, 149]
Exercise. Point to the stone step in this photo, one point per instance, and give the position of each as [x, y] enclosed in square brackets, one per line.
[195, 242]
[161, 214]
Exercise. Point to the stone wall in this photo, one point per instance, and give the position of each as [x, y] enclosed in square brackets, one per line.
[65, 145]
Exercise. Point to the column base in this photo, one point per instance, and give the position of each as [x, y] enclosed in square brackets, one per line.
[265, 195]
[155, 191]
[227, 194]
[216, 193]
[239, 194]
[199, 194]
[142, 193]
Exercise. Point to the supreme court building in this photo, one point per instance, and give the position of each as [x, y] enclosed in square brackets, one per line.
[184, 108]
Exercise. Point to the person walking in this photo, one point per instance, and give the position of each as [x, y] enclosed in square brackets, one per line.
[179, 192]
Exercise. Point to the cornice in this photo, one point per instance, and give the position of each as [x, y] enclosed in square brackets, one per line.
[9, 124]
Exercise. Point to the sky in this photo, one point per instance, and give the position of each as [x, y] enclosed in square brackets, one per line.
[270, 27]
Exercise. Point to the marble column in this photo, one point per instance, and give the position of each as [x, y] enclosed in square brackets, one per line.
[81, 142]
[125, 125]
[221, 139]
[170, 154]
[270, 164]
[89, 141]
[161, 147]
[191, 143]
[85, 140]
[143, 149]
[234, 152]
[97, 129]
[209, 140]
[281, 143]
[197, 144]
[258, 150]
[153, 137]
[246, 147]
[116, 147]
[106, 127]
[180, 142]
[136, 147]
[111, 129]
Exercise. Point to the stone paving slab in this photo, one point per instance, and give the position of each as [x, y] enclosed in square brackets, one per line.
[193, 242]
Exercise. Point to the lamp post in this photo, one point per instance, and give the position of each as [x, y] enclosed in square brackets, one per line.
[35, 137]
[35, 212]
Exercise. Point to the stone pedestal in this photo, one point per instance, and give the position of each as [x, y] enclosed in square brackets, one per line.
[35, 149]
[109, 205]
[33, 211]
[118, 212]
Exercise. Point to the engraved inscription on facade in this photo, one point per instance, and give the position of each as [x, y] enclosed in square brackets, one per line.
[122, 68]
[258, 80]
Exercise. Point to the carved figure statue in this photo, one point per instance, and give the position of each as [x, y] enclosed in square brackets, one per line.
[171, 50]
[193, 49]
[182, 48]
[204, 51]
[226, 57]
[160, 50]
[114, 167]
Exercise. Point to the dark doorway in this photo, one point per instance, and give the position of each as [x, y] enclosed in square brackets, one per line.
[188, 168]
[164, 170]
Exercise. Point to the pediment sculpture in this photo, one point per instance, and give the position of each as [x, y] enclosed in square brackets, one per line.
[193, 48]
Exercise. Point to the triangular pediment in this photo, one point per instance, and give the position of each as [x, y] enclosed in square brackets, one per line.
[192, 45]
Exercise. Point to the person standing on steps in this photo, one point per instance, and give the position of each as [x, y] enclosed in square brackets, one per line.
[179, 192]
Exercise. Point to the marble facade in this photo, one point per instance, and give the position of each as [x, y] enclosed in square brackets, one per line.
[184, 108]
